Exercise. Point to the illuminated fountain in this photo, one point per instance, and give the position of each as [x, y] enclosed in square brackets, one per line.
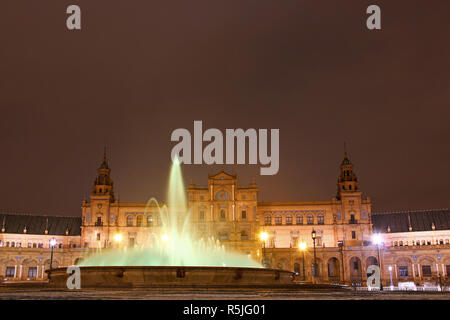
[172, 258]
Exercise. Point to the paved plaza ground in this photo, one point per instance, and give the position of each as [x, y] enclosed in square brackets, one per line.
[214, 294]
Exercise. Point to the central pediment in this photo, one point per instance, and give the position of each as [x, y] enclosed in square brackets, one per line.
[222, 175]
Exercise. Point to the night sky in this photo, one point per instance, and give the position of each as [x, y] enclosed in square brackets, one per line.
[140, 69]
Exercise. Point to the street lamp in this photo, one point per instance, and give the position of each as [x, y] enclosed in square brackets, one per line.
[377, 240]
[313, 236]
[390, 274]
[302, 248]
[264, 236]
[165, 238]
[52, 245]
[118, 238]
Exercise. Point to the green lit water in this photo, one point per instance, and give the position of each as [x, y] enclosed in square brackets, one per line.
[175, 246]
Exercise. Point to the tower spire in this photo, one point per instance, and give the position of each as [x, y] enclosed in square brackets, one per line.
[103, 184]
[347, 180]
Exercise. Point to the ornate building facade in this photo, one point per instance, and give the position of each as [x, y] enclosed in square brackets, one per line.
[414, 248]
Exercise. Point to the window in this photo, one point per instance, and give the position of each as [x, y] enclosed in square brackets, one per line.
[40, 245]
[244, 215]
[297, 268]
[446, 241]
[10, 272]
[139, 221]
[320, 219]
[112, 218]
[32, 272]
[99, 221]
[352, 218]
[426, 271]
[295, 242]
[403, 271]
[98, 236]
[299, 219]
[201, 216]
[310, 219]
[288, 219]
[222, 195]
[222, 215]
[447, 268]
[149, 221]
[13, 244]
[223, 236]
[29, 244]
[244, 235]
[278, 220]
[267, 220]
[353, 234]
[129, 221]
[355, 265]
[202, 198]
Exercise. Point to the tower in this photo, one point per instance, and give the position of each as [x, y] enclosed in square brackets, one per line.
[353, 211]
[103, 185]
[347, 180]
[96, 213]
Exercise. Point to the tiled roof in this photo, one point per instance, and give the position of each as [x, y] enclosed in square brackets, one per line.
[421, 220]
[16, 223]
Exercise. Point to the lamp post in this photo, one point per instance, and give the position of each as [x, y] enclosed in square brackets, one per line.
[52, 245]
[264, 236]
[390, 274]
[302, 248]
[313, 236]
[377, 240]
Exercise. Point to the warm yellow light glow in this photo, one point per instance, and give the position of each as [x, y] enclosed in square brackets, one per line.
[377, 239]
[117, 237]
[264, 236]
[302, 246]
[52, 242]
[165, 238]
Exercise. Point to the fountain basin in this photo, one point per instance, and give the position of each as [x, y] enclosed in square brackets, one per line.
[172, 276]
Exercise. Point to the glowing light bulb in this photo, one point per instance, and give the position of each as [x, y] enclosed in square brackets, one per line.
[118, 237]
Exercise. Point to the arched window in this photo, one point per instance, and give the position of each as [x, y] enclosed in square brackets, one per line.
[150, 221]
[310, 219]
[267, 220]
[320, 219]
[222, 215]
[278, 219]
[288, 219]
[299, 219]
[129, 221]
[139, 221]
